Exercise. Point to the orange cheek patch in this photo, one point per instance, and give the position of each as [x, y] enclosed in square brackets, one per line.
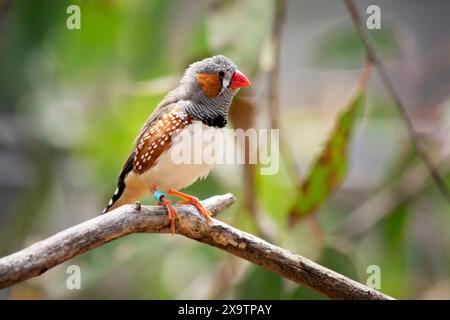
[210, 84]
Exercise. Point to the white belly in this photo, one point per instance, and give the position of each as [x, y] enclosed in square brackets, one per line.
[167, 174]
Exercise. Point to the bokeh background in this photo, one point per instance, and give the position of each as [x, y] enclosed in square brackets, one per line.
[72, 101]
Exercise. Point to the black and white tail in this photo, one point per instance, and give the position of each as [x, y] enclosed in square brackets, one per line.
[114, 201]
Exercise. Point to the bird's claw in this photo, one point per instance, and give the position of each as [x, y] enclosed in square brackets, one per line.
[173, 214]
[203, 211]
[199, 206]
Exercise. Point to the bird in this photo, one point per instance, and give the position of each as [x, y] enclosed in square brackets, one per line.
[202, 98]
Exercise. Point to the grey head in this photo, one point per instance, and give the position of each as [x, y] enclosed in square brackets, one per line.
[208, 87]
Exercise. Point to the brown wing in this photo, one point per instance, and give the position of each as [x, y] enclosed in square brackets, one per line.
[155, 138]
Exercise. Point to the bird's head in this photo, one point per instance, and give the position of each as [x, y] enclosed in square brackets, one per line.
[214, 77]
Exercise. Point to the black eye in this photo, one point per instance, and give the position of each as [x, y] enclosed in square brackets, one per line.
[221, 74]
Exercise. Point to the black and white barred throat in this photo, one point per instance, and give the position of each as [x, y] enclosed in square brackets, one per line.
[212, 112]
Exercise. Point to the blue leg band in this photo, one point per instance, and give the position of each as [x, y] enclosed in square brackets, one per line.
[158, 194]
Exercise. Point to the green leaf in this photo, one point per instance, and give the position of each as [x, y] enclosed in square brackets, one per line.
[330, 168]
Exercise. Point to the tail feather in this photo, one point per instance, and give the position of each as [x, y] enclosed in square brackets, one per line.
[114, 199]
[119, 193]
[121, 198]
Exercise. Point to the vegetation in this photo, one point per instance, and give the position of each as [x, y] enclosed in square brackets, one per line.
[73, 100]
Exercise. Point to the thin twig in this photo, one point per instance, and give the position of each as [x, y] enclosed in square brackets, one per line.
[411, 183]
[274, 87]
[4, 7]
[413, 134]
[274, 73]
[46, 254]
[242, 115]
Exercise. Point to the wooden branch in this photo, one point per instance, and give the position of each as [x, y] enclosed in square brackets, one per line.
[46, 254]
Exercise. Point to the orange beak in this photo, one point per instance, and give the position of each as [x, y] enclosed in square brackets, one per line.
[239, 80]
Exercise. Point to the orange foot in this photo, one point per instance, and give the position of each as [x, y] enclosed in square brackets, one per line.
[164, 201]
[171, 212]
[192, 200]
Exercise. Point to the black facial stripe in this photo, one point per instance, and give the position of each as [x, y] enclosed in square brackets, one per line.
[231, 80]
[218, 121]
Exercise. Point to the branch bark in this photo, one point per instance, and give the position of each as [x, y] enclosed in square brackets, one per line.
[44, 255]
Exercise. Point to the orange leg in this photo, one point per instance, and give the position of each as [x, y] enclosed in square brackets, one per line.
[171, 212]
[192, 200]
[164, 201]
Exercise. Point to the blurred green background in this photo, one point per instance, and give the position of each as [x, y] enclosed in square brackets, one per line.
[72, 101]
